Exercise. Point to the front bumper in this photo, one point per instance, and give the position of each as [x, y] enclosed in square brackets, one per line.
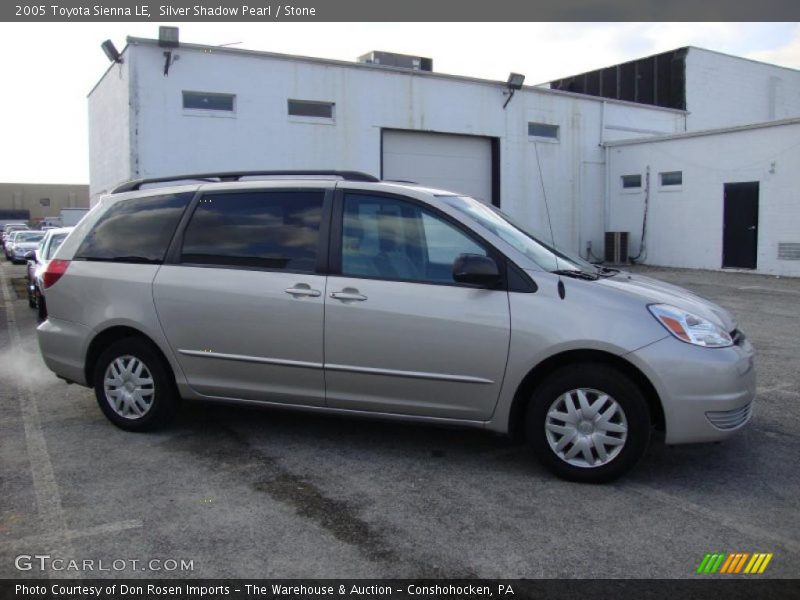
[707, 393]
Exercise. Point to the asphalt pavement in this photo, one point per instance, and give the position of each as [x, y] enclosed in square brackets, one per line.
[230, 491]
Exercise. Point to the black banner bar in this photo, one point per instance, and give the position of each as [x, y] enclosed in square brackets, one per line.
[712, 588]
[398, 10]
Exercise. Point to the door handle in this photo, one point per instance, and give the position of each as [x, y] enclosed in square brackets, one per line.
[300, 290]
[751, 228]
[348, 295]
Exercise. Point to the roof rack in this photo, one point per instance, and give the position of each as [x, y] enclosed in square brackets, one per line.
[136, 184]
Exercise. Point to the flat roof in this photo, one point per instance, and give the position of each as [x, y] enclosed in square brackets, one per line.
[684, 48]
[703, 132]
[132, 41]
[744, 58]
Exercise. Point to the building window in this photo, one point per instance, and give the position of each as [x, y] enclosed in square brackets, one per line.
[208, 101]
[311, 108]
[631, 182]
[543, 130]
[671, 178]
[44, 201]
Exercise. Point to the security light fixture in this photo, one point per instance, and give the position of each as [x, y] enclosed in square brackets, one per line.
[111, 51]
[168, 37]
[514, 83]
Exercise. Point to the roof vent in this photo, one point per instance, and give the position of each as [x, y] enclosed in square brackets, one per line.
[392, 59]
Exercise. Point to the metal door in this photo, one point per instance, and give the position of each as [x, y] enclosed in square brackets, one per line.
[740, 225]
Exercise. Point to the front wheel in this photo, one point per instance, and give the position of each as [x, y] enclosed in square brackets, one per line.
[133, 386]
[588, 423]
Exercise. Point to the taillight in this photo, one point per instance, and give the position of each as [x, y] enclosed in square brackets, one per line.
[55, 269]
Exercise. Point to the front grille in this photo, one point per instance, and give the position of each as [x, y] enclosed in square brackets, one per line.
[730, 419]
[737, 337]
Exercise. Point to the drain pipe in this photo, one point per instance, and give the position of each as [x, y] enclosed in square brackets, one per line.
[607, 186]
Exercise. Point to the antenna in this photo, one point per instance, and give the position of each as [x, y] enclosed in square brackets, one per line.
[561, 291]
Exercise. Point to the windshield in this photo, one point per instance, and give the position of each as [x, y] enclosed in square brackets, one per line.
[55, 242]
[28, 236]
[503, 226]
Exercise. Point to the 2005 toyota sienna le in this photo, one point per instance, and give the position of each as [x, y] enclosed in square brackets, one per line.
[339, 293]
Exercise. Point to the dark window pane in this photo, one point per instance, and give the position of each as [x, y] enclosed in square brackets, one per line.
[672, 178]
[271, 230]
[631, 181]
[392, 239]
[543, 130]
[204, 101]
[308, 108]
[135, 230]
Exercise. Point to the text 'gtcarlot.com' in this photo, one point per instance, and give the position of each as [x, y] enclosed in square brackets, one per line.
[46, 562]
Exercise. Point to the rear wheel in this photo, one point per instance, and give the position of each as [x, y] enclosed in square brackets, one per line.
[133, 386]
[588, 423]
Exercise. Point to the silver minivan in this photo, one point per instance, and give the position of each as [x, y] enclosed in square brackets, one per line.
[335, 292]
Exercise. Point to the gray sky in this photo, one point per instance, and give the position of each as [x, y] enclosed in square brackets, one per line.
[47, 69]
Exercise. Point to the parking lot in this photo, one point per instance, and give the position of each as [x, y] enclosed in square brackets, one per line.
[244, 492]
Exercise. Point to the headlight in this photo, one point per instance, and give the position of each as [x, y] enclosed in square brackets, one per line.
[690, 328]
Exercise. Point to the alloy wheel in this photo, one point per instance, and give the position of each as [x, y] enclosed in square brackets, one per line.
[586, 428]
[129, 387]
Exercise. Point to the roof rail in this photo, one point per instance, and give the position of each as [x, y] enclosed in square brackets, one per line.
[136, 184]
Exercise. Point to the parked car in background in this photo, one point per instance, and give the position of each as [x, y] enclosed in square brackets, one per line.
[356, 296]
[24, 245]
[8, 240]
[38, 263]
[9, 229]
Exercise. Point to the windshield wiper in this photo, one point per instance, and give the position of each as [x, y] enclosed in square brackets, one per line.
[575, 273]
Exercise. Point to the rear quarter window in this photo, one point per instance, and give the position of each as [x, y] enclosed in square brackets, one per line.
[135, 230]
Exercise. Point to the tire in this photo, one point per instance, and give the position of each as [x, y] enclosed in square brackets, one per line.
[598, 439]
[156, 402]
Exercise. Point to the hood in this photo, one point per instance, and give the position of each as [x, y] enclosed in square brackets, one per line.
[27, 245]
[653, 291]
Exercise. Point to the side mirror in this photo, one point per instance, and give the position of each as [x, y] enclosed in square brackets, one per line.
[475, 269]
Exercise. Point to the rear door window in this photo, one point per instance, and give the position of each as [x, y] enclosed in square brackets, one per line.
[135, 230]
[275, 229]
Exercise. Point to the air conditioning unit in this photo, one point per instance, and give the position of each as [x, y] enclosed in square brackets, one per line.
[616, 250]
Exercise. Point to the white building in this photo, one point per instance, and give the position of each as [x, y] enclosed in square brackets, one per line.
[715, 198]
[716, 89]
[195, 108]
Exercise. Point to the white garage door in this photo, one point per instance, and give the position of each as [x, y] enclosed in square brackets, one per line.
[458, 163]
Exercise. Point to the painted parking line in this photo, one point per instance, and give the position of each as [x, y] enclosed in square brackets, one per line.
[56, 535]
[719, 518]
[39, 540]
[48, 497]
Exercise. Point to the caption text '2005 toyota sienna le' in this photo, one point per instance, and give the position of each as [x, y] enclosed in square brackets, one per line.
[336, 292]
